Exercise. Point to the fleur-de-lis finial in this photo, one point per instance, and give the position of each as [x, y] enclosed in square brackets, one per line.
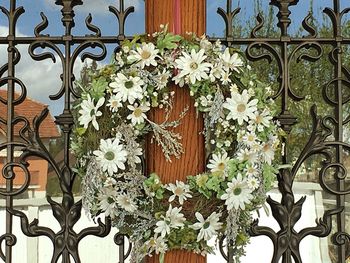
[228, 17]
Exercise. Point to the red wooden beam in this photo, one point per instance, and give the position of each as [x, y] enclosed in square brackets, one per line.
[184, 16]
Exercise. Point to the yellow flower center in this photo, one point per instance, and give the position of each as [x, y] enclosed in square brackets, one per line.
[258, 119]
[138, 112]
[250, 138]
[145, 54]
[115, 104]
[266, 147]
[221, 166]
[241, 107]
[178, 191]
[251, 170]
[152, 242]
[193, 65]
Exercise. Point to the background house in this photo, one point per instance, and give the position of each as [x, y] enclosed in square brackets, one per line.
[38, 168]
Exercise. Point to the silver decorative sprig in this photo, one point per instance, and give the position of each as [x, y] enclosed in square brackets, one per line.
[168, 140]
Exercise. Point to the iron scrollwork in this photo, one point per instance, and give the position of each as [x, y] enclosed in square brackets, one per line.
[283, 50]
[68, 212]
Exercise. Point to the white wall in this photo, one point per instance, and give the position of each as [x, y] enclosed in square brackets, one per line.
[94, 249]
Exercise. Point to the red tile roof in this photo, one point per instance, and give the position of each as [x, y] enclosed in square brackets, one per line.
[29, 108]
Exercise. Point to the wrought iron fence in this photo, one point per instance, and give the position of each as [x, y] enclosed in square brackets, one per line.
[326, 138]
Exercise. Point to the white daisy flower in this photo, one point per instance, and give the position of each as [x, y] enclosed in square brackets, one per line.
[241, 109]
[216, 72]
[110, 182]
[144, 55]
[233, 62]
[107, 202]
[163, 227]
[268, 152]
[162, 79]
[180, 190]
[218, 163]
[180, 81]
[193, 66]
[207, 227]
[135, 153]
[157, 244]
[225, 78]
[127, 87]
[177, 219]
[114, 103]
[251, 170]
[89, 112]
[262, 119]
[252, 182]
[173, 219]
[234, 89]
[250, 139]
[138, 115]
[126, 203]
[205, 43]
[238, 194]
[247, 155]
[111, 155]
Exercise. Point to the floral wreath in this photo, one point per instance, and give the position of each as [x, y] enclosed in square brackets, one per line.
[240, 134]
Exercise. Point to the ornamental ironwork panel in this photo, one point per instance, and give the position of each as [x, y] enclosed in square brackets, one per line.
[326, 138]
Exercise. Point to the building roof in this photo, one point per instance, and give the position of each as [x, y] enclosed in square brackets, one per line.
[29, 108]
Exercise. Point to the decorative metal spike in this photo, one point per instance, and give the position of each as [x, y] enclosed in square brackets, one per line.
[283, 14]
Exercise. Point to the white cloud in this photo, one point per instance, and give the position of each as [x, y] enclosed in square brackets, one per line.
[42, 78]
[97, 6]
[4, 30]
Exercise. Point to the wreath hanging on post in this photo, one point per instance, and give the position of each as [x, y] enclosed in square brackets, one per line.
[240, 134]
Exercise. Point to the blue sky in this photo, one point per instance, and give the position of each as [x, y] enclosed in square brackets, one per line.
[42, 78]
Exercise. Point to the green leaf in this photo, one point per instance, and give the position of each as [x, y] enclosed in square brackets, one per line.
[169, 41]
[98, 88]
[130, 44]
[213, 183]
[159, 193]
[80, 131]
[205, 192]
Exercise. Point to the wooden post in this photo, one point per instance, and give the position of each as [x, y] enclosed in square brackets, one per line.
[191, 14]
